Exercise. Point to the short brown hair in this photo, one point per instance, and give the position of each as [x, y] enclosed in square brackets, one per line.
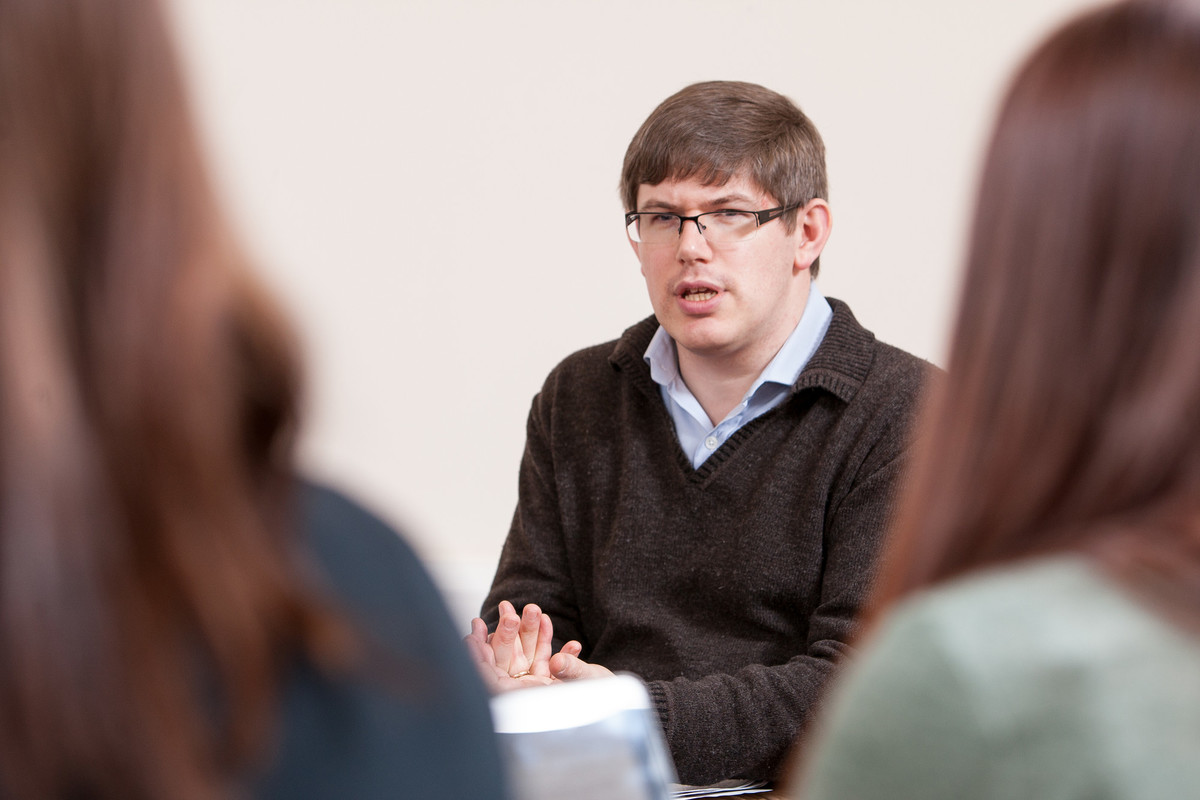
[718, 129]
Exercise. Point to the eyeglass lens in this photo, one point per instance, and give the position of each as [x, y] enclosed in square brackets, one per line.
[716, 226]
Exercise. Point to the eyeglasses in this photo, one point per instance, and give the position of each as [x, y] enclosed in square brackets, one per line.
[659, 227]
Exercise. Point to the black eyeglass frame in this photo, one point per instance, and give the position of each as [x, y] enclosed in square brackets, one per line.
[761, 217]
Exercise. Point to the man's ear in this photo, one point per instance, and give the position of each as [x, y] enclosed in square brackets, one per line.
[634, 245]
[813, 224]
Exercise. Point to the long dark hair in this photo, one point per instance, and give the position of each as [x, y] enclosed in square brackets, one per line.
[1069, 418]
[148, 403]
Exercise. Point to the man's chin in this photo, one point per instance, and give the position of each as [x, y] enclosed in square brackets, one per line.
[704, 343]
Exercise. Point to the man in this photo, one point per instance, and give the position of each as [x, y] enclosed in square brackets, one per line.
[701, 500]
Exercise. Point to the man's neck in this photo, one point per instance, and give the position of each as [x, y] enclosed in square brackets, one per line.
[719, 381]
[718, 387]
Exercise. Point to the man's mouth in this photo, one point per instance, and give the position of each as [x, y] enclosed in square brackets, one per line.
[699, 295]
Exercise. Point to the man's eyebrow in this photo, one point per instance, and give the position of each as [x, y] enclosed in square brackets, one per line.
[659, 205]
[724, 201]
[732, 200]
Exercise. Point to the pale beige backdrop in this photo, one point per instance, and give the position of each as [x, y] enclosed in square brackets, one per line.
[431, 186]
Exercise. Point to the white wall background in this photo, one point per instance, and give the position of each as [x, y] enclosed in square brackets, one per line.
[380, 155]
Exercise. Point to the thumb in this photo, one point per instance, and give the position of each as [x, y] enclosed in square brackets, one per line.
[568, 667]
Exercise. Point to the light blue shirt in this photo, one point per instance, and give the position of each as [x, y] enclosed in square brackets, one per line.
[696, 433]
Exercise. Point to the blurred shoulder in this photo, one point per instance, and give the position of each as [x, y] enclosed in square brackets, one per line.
[367, 563]
[1009, 624]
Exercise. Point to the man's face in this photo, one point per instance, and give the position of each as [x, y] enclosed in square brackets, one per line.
[732, 303]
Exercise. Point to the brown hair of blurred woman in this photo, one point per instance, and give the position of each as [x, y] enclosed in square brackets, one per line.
[148, 398]
[1069, 419]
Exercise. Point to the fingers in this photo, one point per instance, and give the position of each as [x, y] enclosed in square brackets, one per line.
[504, 641]
[481, 653]
[531, 623]
[521, 645]
[479, 632]
[477, 644]
[543, 648]
[519, 654]
[565, 665]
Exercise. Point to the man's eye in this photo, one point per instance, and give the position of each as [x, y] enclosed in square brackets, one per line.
[661, 220]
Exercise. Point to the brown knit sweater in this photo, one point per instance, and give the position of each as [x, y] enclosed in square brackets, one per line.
[731, 589]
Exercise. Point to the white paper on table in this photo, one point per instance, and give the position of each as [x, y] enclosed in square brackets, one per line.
[722, 789]
[585, 740]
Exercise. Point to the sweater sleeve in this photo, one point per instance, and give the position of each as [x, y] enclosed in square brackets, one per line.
[534, 566]
[901, 724]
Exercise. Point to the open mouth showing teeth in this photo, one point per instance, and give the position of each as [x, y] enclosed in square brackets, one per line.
[699, 294]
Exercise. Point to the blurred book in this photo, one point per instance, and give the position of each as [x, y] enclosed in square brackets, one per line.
[585, 740]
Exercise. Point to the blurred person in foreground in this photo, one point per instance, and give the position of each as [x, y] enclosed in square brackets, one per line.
[1038, 630]
[180, 615]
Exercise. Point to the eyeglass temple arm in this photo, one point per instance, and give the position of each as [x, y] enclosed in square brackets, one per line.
[768, 214]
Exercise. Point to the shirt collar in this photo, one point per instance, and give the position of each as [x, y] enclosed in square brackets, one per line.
[799, 347]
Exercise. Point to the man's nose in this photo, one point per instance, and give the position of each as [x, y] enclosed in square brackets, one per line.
[691, 240]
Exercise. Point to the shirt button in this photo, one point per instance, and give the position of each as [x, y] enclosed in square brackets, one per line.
[711, 443]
